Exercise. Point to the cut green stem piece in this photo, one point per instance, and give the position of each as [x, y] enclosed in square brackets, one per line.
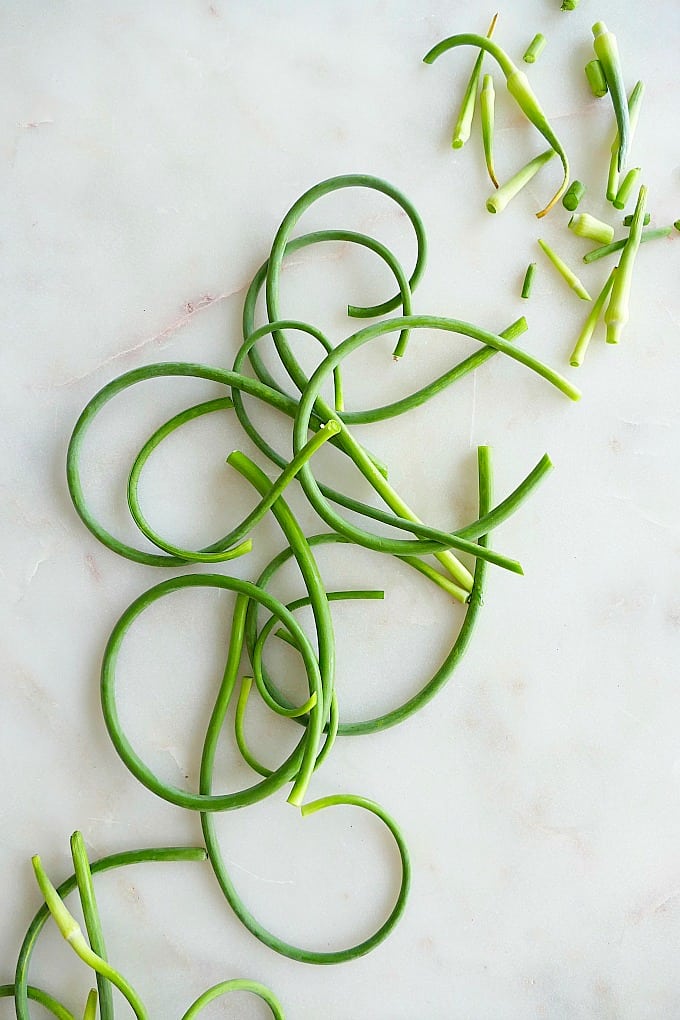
[585, 225]
[507, 191]
[596, 78]
[610, 249]
[534, 49]
[528, 279]
[569, 5]
[487, 104]
[634, 102]
[521, 91]
[565, 272]
[461, 131]
[581, 346]
[70, 929]
[574, 195]
[616, 315]
[677, 224]
[607, 52]
[625, 191]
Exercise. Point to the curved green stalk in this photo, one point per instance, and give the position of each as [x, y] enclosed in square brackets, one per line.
[22, 991]
[70, 929]
[520, 89]
[43, 999]
[487, 105]
[236, 985]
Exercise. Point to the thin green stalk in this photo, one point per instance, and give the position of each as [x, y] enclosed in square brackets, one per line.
[236, 985]
[43, 999]
[21, 990]
[565, 272]
[616, 315]
[88, 902]
[534, 49]
[607, 52]
[520, 89]
[70, 930]
[528, 280]
[585, 225]
[609, 249]
[581, 346]
[596, 78]
[509, 189]
[487, 104]
[461, 131]
[633, 107]
[626, 189]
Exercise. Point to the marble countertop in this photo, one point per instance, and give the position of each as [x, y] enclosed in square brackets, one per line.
[149, 153]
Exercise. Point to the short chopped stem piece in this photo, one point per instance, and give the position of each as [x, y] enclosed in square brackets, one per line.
[634, 102]
[616, 315]
[677, 224]
[585, 225]
[461, 131]
[573, 196]
[507, 191]
[627, 220]
[534, 49]
[487, 104]
[596, 78]
[611, 249]
[565, 272]
[528, 279]
[626, 189]
[607, 52]
[520, 89]
[569, 5]
[581, 346]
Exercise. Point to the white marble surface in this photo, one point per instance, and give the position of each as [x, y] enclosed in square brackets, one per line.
[148, 153]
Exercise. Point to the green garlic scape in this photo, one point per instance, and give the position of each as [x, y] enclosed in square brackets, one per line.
[581, 346]
[487, 103]
[520, 89]
[461, 131]
[565, 272]
[616, 315]
[607, 52]
[507, 191]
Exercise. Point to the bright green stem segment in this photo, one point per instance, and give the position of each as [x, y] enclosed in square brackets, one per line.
[596, 78]
[487, 107]
[610, 249]
[565, 272]
[497, 202]
[91, 1005]
[616, 315]
[634, 103]
[626, 189]
[569, 5]
[607, 52]
[520, 89]
[236, 985]
[528, 280]
[534, 49]
[574, 195]
[70, 929]
[581, 346]
[585, 225]
[461, 131]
